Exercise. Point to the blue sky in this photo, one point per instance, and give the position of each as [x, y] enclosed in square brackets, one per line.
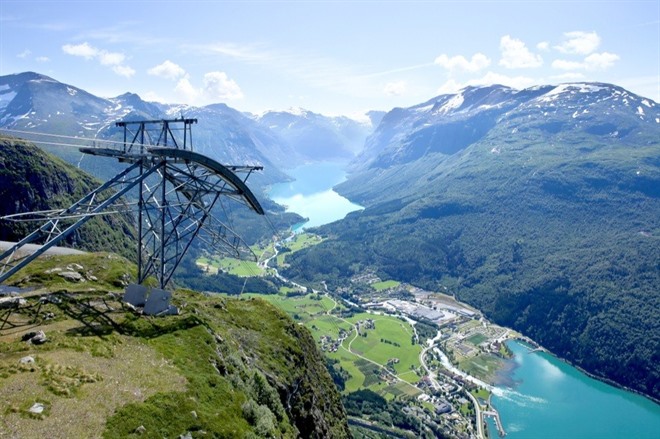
[331, 57]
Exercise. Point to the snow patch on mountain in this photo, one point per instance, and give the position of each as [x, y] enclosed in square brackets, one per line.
[452, 104]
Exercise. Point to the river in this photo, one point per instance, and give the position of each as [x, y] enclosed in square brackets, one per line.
[311, 196]
[548, 398]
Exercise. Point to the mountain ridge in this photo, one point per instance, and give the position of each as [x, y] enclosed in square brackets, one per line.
[34, 102]
[547, 220]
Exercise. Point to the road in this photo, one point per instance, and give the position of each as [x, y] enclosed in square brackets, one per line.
[479, 416]
[349, 350]
[447, 364]
[422, 360]
[31, 248]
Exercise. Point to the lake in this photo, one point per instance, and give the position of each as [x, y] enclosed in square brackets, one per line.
[311, 196]
[548, 398]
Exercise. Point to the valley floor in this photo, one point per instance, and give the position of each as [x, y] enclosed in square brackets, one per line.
[439, 355]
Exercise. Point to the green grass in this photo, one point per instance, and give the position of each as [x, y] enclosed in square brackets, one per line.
[407, 389]
[326, 325]
[477, 339]
[483, 366]
[211, 397]
[306, 308]
[375, 345]
[237, 267]
[131, 370]
[297, 243]
[481, 393]
[303, 240]
[111, 272]
[347, 361]
[384, 285]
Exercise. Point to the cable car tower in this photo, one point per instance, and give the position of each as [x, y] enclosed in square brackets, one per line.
[176, 190]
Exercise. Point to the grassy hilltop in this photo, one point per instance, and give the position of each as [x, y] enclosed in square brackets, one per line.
[221, 368]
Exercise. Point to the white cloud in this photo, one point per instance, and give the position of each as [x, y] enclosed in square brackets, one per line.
[579, 43]
[42, 59]
[515, 55]
[306, 67]
[478, 62]
[490, 78]
[24, 54]
[543, 46]
[84, 50]
[168, 70]
[124, 71]
[105, 58]
[600, 61]
[110, 58]
[215, 86]
[595, 61]
[186, 90]
[218, 85]
[451, 86]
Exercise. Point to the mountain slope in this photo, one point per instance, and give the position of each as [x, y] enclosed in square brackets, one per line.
[541, 207]
[221, 368]
[32, 180]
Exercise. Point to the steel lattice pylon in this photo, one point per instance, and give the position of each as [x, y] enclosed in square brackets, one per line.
[176, 189]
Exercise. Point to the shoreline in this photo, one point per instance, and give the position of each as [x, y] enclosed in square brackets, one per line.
[539, 348]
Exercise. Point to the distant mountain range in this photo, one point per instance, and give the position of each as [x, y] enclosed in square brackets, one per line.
[539, 206]
[278, 141]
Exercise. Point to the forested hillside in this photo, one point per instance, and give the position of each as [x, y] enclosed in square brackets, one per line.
[32, 180]
[547, 218]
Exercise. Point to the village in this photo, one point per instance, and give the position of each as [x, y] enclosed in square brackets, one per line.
[460, 360]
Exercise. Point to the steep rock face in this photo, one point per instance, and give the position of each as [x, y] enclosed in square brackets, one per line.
[32, 180]
[289, 357]
[221, 368]
[547, 220]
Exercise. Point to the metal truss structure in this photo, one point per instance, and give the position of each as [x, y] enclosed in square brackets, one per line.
[176, 190]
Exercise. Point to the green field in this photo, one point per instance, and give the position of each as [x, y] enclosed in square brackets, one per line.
[238, 267]
[481, 394]
[483, 366]
[298, 242]
[390, 339]
[477, 339]
[307, 308]
[384, 285]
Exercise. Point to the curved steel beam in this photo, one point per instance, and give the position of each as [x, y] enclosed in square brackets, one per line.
[214, 166]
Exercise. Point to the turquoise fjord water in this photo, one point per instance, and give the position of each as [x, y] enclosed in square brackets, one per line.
[311, 194]
[547, 398]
